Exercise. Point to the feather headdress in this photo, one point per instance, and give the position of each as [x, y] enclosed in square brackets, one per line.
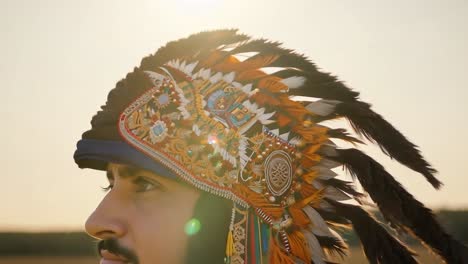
[243, 118]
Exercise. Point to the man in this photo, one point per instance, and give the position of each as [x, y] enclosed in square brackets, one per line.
[215, 153]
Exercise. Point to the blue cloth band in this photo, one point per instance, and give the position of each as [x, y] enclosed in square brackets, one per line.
[96, 154]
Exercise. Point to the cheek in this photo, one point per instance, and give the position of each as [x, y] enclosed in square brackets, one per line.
[157, 228]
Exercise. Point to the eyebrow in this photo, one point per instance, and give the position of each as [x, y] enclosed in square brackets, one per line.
[125, 172]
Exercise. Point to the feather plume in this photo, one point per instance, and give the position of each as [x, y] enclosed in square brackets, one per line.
[333, 246]
[316, 250]
[317, 225]
[399, 207]
[376, 129]
[199, 43]
[322, 107]
[379, 246]
[344, 186]
[294, 82]
[363, 119]
[341, 133]
[333, 218]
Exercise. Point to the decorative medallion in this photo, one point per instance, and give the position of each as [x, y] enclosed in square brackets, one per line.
[278, 172]
[163, 100]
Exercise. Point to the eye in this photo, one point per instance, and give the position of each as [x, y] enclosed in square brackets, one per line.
[106, 189]
[145, 185]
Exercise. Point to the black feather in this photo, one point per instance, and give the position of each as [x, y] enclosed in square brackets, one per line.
[333, 218]
[199, 43]
[392, 142]
[364, 121]
[344, 186]
[333, 246]
[318, 84]
[379, 246]
[399, 207]
[341, 133]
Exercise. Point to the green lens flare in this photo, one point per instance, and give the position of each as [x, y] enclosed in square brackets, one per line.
[192, 227]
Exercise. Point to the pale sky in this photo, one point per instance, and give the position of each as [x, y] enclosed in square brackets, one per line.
[59, 59]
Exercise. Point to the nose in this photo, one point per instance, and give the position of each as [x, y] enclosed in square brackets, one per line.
[107, 220]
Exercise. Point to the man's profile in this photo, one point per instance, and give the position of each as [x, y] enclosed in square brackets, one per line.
[216, 152]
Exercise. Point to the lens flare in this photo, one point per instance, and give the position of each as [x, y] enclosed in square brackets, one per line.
[192, 227]
[212, 139]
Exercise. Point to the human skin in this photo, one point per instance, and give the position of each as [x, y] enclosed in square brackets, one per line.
[146, 213]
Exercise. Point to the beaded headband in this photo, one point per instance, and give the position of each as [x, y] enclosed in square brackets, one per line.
[228, 115]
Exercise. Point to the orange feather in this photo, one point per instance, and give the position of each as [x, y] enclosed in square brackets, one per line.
[277, 255]
[298, 246]
[272, 84]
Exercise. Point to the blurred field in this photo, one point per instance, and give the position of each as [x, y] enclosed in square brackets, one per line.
[48, 260]
[356, 257]
[79, 248]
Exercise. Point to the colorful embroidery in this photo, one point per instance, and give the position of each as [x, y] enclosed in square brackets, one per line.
[221, 142]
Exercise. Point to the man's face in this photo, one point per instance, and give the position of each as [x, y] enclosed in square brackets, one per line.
[145, 213]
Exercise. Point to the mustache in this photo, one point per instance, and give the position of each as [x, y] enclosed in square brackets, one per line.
[113, 246]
